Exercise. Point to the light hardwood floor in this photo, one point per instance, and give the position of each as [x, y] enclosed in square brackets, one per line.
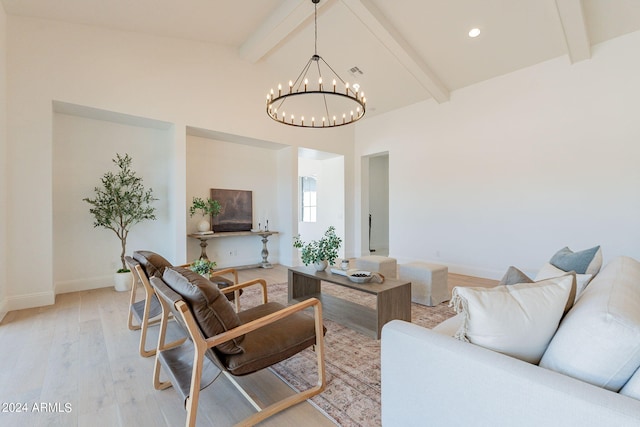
[79, 360]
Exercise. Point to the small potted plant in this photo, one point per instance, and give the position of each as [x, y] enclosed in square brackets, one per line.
[320, 253]
[120, 203]
[202, 266]
[207, 208]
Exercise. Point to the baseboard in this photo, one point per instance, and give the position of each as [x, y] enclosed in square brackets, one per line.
[77, 285]
[38, 299]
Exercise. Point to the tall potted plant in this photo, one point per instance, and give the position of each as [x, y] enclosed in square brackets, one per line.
[321, 253]
[119, 203]
[207, 208]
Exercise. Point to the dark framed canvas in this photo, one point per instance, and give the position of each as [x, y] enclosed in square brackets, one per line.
[237, 210]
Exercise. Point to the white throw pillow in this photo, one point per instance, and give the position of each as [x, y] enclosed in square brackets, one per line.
[548, 271]
[517, 320]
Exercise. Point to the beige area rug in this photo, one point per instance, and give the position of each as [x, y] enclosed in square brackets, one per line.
[352, 396]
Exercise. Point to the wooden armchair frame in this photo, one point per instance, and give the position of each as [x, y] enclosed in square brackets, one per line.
[147, 311]
[169, 359]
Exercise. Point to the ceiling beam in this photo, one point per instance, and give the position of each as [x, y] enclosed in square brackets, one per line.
[571, 16]
[382, 29]
[279, 25]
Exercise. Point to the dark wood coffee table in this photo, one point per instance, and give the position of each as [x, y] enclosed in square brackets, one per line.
[393, 299]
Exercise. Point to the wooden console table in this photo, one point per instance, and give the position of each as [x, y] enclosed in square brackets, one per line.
[393, 299]
[264, 234]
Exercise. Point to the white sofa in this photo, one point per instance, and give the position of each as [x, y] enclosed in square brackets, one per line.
[430, 378]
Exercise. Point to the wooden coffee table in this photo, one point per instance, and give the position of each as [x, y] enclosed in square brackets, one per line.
[393, 299]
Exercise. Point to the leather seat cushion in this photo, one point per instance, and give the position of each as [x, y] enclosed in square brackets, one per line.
[152, 263]
[273, 343]
[212, 311]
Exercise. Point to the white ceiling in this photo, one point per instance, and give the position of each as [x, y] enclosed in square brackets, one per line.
[409, 50]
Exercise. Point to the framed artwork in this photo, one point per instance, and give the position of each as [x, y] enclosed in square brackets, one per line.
[237, 210]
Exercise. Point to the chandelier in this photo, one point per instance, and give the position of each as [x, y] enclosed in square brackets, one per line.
[318, 98]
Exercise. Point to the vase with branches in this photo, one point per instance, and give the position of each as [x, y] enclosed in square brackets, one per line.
[322, 252]
[121, 202]
[207, 208]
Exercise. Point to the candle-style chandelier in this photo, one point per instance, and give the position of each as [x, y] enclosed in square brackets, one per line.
[317, 98]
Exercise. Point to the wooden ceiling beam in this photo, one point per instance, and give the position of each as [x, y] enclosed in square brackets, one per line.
[576, 36]
[382, 29]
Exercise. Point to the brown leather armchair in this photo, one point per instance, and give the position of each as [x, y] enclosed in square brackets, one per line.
[229, 342]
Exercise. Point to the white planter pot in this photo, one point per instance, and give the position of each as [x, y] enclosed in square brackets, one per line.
[122, 281]
[204, 225]
[321, 265]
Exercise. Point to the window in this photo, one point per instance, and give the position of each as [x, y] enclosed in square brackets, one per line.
[308, 199]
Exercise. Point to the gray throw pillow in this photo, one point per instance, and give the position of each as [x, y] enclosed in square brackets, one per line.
[587, 261]
[513, 276]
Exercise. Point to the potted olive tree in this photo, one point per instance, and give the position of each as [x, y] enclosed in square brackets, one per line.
[321, 253]
[207, 208]
[120, 203]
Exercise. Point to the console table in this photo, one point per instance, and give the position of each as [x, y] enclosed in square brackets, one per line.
[264, 234]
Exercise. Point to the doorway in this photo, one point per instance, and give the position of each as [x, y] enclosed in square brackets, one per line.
[378, 212]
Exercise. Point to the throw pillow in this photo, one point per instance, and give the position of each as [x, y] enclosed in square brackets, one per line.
[587, 261]
[517, 320]
[211, 309]
[514, 276]
[548, 271]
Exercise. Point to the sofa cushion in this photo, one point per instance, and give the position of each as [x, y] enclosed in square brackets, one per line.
[152, 263]
[588, 261]
[212, 311]
[548, 271]
[598, 341]
[517, 320]
[632, 387]
[450, 326]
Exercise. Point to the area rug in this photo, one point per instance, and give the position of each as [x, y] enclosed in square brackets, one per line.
[352, 396]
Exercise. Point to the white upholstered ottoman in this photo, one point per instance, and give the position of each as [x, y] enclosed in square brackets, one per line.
[381, 264]
[429, 282]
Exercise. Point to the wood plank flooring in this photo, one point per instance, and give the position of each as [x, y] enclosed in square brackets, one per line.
[76, 364]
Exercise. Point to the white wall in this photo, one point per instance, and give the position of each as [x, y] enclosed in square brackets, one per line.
[85, 257]
[219, 164]
[3, 162]
[181, 82]
[517, 167]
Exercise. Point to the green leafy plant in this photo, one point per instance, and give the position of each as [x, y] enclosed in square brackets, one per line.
[202, 266]
[121, 202]
[319, 250]
[205, 207]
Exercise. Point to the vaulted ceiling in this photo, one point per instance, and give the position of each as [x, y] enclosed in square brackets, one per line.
[407, 50]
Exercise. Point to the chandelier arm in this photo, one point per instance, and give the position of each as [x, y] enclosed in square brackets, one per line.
[324, 97]
[334, 72]
[300, 79]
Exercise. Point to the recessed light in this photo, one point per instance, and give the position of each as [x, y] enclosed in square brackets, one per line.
[474, 32]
